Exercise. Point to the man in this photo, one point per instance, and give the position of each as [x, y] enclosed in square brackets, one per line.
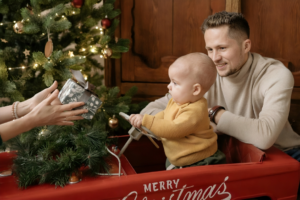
[250, 99]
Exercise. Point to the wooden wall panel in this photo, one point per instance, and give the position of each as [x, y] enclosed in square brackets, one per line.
[149, 26]
[275, 28]
[188, 18]
[126, 25]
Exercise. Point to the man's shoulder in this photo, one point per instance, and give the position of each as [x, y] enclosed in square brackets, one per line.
[270, 67]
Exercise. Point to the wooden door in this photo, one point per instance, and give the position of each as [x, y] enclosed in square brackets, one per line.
[160, 31]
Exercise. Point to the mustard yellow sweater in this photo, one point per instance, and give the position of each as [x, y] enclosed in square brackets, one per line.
[185, 132]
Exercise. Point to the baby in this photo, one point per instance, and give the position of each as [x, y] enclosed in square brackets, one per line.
[183, 127]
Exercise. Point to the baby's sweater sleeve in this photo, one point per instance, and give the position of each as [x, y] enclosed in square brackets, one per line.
[182, 126]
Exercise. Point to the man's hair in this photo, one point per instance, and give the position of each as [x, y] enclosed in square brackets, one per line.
[236, 22]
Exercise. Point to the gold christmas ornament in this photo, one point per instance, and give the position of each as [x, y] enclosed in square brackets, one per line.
[18, 27]
[107, 52]
[113, 122]
[44, 133]
[75, 178]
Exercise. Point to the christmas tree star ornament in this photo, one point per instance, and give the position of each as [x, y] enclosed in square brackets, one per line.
[18, 27]
[4, 40]
[26, 52]
[71, 54]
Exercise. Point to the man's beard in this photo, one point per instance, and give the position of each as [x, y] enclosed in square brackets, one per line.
[230, 72]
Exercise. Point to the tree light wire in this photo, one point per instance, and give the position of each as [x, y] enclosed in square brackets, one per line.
[119, 174]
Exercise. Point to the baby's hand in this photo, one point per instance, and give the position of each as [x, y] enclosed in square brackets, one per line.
[136, 120]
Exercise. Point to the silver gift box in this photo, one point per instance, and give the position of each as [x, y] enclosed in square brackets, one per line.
[73, 92]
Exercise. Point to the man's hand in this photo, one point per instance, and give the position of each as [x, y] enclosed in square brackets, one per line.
[136, 120]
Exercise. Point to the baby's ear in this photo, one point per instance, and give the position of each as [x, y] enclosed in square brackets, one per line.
[196, 89]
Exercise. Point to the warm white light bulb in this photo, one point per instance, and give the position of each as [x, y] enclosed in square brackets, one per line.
[9, 68]
[23, 67]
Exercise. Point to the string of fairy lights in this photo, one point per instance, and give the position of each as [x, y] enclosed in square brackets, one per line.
[71, 54]
[104, 53]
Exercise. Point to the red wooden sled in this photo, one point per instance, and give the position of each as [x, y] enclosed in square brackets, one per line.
[249, 173]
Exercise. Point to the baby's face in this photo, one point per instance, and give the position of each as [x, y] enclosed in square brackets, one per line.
[181, 86]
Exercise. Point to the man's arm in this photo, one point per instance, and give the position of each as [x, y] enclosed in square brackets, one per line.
[156, 106]
[264, 131]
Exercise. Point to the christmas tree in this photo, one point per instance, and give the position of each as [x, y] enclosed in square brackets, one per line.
[41, 40]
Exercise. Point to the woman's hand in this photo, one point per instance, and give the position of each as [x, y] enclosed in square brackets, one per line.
[136, 120]
[28, 105]
[47, 113]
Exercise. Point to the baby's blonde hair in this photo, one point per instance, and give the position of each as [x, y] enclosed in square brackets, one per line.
[201, 68]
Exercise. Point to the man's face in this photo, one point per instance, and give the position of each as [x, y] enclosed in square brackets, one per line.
[228, 54]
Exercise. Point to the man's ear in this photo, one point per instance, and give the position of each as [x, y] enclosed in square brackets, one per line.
[247, 45]
[197, 89]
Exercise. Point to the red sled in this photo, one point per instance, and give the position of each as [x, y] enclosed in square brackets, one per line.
[249, 173]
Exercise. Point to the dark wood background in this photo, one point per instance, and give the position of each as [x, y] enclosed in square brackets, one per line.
[161, 31]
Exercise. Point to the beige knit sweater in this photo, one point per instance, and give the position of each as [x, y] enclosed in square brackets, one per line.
[185, 132]
[257, 102]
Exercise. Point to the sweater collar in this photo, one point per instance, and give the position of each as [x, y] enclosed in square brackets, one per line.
[243, 72]
[186, 104]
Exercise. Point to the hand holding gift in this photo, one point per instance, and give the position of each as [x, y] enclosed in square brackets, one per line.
[42, 109]
[80, 92]
[48, 114]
